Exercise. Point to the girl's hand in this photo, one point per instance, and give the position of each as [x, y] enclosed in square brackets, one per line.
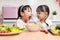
[43, 29]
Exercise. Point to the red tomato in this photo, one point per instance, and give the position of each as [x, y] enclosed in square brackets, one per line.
[5, 31]
[2, 31]
[8, 31]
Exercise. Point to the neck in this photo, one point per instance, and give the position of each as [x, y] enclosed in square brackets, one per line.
[42, 20]
[23, 20]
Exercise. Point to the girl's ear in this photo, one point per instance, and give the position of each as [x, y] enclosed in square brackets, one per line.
[22, 14]
[46, 13]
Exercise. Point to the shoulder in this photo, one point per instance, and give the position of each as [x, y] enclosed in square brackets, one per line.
[18, 21]
[49, 22]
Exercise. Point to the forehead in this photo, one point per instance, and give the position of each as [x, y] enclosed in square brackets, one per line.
[38, 10]
[28, 9]
[43, 9]
[42, 13]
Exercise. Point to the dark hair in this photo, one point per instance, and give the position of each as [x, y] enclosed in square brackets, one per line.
[22, 8]
[43, 8]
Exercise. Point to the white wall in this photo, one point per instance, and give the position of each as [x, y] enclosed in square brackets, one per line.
[33, 3]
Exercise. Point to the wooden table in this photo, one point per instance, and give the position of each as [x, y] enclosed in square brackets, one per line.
[31, 36]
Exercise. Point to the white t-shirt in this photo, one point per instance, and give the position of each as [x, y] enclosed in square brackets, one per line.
[44, 24]
[20, 23]
[47, 22]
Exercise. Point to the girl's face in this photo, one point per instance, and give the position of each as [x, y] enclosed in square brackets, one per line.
[42, 15]
[27, 14]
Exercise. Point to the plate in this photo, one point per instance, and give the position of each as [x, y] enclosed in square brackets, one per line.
[10, 33]
[54, 33]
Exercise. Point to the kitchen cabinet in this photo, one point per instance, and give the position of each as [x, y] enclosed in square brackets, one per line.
[9, 12]
[10, 22]
[1, 20]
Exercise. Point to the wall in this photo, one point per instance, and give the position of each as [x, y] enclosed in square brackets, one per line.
[33, 3]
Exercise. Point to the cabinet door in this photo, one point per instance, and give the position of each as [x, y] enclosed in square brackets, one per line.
[9, 12]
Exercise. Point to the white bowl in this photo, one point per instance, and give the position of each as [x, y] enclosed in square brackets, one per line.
[33, 27]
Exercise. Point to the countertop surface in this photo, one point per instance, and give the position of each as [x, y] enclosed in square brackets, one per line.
[31, 36]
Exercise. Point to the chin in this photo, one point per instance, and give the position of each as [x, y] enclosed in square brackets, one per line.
[28, 19]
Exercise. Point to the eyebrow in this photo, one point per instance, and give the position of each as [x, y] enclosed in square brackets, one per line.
[29, 9]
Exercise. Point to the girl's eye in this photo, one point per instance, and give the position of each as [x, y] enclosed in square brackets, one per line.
[38, 12]
[29, 9]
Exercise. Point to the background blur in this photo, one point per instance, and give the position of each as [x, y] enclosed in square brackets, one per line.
[53, 5]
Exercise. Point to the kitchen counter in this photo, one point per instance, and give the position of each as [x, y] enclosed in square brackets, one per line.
[31, 36]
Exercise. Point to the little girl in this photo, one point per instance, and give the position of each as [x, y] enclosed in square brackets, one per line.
[24, 15]
[42, 14]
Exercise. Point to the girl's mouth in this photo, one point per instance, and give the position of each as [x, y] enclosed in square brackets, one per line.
[29, 17]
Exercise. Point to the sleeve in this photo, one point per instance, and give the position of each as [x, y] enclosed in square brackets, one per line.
[20, 24]
[17, 23]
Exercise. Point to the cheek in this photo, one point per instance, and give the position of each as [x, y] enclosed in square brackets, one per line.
[42, 16]
[28, 17]
[38, 16]
[25, 16]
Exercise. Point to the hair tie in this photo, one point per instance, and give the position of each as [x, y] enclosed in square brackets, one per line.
[22, 7]
[43, 8]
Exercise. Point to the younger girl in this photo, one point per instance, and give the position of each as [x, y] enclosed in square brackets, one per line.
[42, 14]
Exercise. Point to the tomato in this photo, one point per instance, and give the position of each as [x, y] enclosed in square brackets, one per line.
[8, 31]
[2, 31]
[5, 31]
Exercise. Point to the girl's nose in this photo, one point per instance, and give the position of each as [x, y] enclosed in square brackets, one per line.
[30, 14]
